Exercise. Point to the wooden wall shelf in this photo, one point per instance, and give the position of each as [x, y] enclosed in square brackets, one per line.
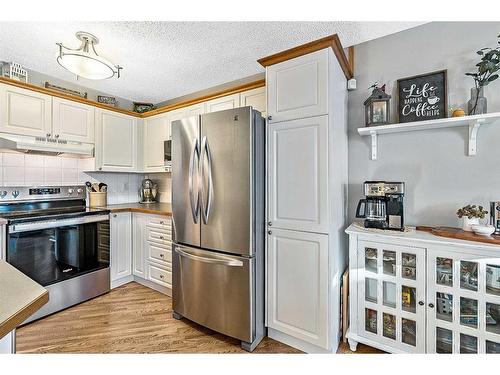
[473, 122]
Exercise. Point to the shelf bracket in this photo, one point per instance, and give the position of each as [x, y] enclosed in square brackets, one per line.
[473, 129]
[373, 135]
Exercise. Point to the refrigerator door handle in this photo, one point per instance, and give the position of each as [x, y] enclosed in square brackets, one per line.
[214, 259]
[205, 149]
[195, 206]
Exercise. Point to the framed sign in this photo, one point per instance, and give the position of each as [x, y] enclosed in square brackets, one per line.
[423, 97]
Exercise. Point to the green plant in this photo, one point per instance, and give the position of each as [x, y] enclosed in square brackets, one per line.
[486, 69]
[472, 211]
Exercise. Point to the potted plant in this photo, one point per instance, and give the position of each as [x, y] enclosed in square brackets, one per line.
[471, 215]
[485, 74]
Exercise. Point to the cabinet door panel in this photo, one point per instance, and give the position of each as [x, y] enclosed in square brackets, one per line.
[25, 112]
[298, 285]
[255, 98]
[73, 121]
[220, 104]
[391, 295]
[298, 174]
[156, 132]
[297, 88]
[121, 245]
[463, 296]
[139, 245]
[116, 142]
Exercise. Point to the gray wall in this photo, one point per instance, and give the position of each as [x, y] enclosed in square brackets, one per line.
[37, 78]
[439, 176]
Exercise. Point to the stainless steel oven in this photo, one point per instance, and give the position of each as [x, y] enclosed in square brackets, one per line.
[52, 237]
[55, 250]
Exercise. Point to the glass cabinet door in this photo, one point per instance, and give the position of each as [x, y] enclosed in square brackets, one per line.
[391, 295]
[463, 301]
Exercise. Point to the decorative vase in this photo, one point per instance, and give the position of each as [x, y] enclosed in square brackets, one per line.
[468, 223]
[477, 105]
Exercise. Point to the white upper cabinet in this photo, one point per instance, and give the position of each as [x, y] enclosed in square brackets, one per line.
[156, 132]
[220, 104]
[255, 98]
[72, 121]
[195, 109]
[297, 88]
[25, 112]
[298, 274]
[298, 174]
[116, 142]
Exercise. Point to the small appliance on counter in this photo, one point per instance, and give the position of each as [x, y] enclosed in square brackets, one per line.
[495, 216]
[383, 206]
[148, 191]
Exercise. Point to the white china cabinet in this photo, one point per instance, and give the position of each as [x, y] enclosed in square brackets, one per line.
[418, 293]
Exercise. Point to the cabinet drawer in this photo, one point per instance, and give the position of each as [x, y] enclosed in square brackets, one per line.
[159, 222]
[162, 254]
[160, 276]
[161, 237]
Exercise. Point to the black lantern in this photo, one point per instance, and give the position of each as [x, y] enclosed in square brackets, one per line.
[377, 107]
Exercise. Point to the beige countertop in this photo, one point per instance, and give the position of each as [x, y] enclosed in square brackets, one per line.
[164, 209]
[20, 297]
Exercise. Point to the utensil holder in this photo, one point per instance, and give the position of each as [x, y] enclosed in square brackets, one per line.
[98, 199]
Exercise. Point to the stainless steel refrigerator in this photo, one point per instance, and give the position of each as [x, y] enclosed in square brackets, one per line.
[218, 222]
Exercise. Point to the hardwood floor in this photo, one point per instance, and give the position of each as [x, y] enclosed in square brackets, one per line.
[132, 319]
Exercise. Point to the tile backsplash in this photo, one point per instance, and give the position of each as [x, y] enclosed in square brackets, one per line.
[17, 169]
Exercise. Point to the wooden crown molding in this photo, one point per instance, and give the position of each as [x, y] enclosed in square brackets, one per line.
[157, 111]
[43, 90]
[218, 94]
[331, 41]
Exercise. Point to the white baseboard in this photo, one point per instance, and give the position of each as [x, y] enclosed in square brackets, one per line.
[153, 285]
[296, 343]
[122, 281]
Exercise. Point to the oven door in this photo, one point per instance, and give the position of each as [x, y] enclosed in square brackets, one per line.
[56, 250]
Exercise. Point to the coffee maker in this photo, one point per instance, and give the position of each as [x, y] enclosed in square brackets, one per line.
[148, 191]
[495, 216]
[383, 206]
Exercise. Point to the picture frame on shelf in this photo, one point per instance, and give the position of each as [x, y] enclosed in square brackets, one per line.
[423, 97]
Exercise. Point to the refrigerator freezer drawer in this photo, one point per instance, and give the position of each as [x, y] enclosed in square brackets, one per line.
[214, 290]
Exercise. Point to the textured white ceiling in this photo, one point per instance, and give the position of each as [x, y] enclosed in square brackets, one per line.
[165, 60]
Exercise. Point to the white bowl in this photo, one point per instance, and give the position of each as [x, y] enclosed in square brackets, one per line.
[483, 230]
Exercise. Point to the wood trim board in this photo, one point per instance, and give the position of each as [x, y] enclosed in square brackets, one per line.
[164, 109]
[219, 94]
[331, 41]
[43, 90]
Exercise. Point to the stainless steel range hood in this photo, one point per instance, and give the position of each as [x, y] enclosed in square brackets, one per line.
[42, 145]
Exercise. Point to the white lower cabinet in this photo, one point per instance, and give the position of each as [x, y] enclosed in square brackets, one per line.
[391, 295]
[121, 247]
[297, 285]
[463, 295]
[139, 222]
[417, 293]
[152, 250]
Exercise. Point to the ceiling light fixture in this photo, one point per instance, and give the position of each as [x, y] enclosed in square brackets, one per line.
[84, 61]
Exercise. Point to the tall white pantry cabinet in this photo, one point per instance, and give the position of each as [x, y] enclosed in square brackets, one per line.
[306, 205]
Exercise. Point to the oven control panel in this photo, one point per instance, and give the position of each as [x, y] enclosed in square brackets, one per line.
[45, 191]
[9, 194]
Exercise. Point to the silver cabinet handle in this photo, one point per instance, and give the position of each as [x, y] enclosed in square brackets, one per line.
[161, 276]
[57, 135]
[162, 222]
[100, 168]
[269, 118]
[269, 232]
[162, 238]
[161, 256]
[214, 259]
[269, 223]
[195, 206]
[48, 135]
[205, 149]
